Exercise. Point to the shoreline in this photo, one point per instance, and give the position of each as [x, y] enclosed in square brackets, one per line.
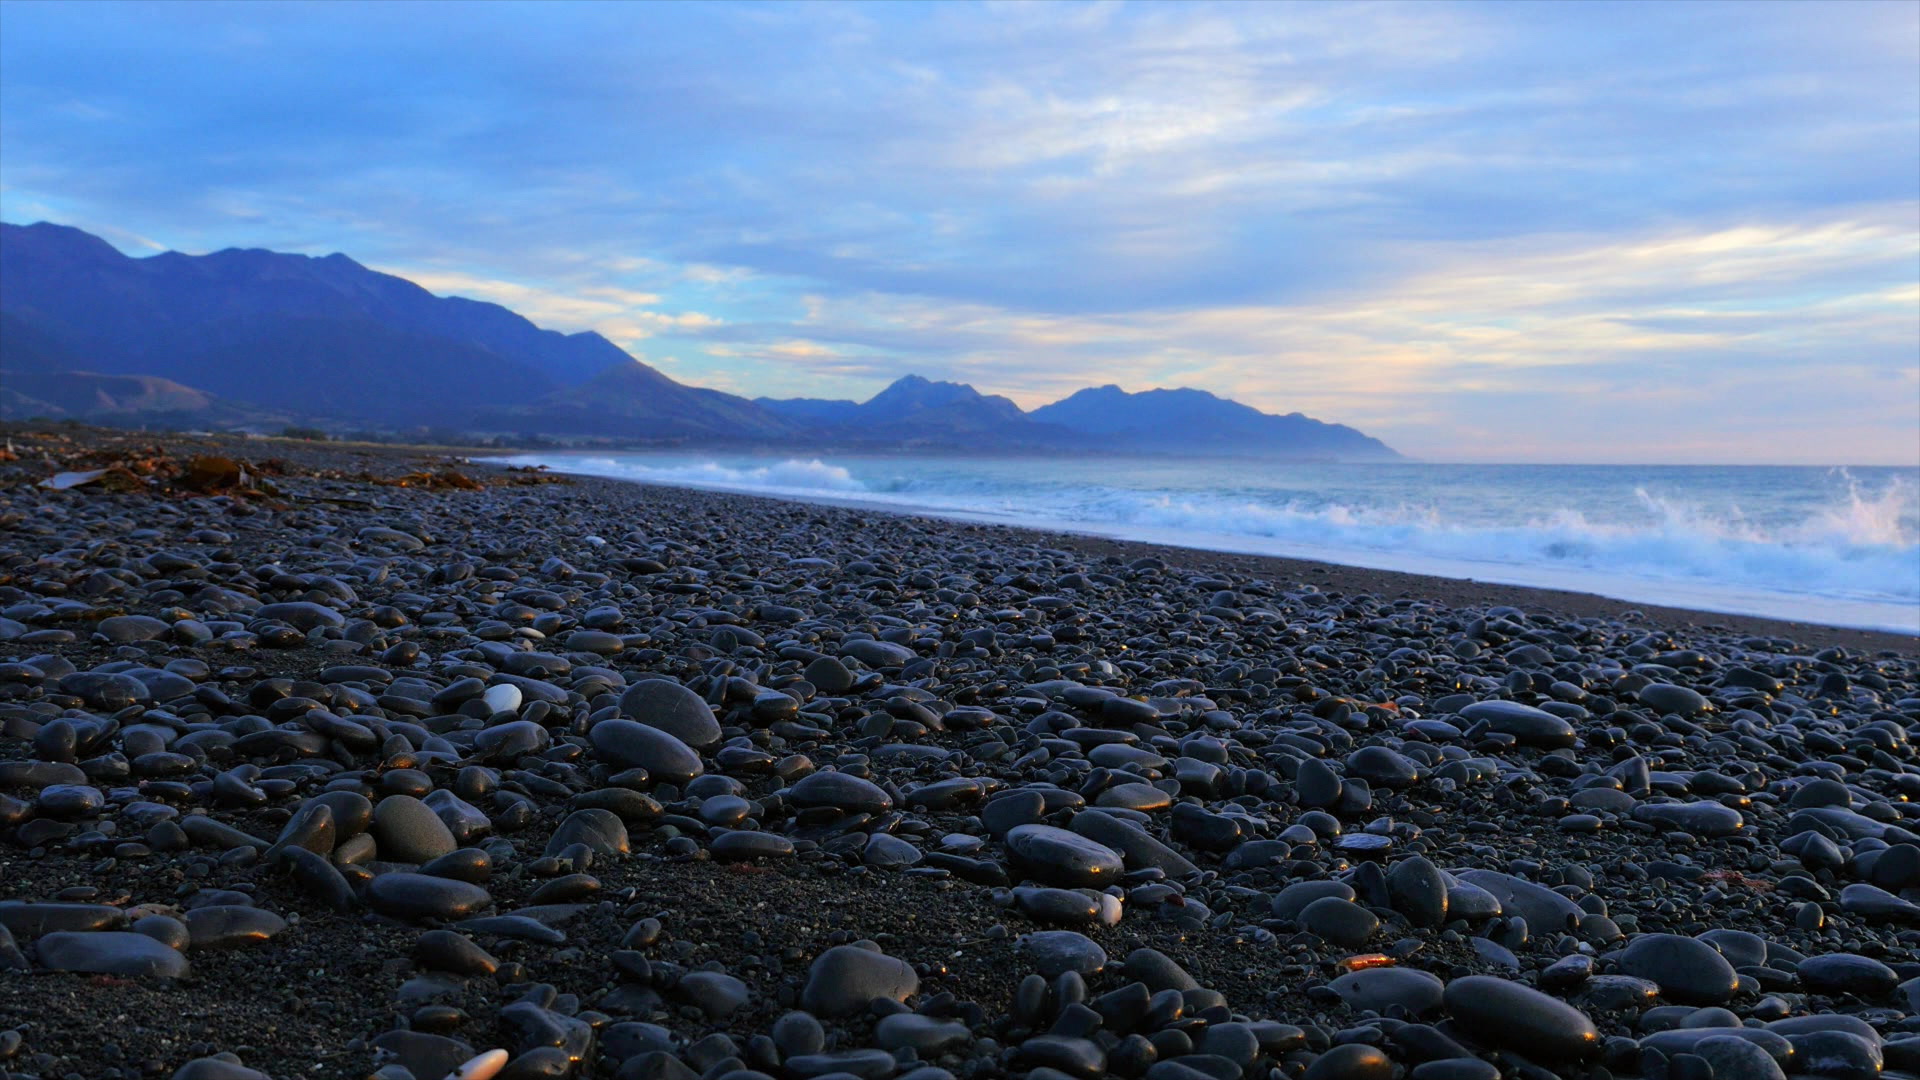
[1332, 576]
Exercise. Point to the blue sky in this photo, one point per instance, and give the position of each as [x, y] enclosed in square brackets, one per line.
[1559, 232]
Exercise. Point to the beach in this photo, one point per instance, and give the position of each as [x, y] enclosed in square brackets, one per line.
[341, 757]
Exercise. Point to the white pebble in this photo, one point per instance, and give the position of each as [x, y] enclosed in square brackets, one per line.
[504, 697]
[483, 1067]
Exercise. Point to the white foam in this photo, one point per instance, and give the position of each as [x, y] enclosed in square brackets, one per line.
[1853, 562]
[790, 477]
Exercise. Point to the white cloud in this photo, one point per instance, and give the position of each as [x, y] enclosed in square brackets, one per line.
[1590, 329]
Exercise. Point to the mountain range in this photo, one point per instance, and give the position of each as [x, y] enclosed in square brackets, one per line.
[251, 338]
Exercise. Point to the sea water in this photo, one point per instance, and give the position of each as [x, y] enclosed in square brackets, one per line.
[1835, 546]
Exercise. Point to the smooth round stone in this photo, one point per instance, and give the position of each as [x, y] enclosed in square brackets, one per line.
[1004, 813]
[674, 709]
[633, 745]
[1058, 907]
[601, 830]
[1709, 819]
[1676, 1041]
[1052, 1054]
[226, 926]
[110, 952]
[877, 654]
[1316, 784]
[1054, 952]
[1418, 890]
[444, 950]
[1821, 792]
[1742, 949]
[1366, 845]
[829, 676]
[844, 792]
[1847, 973]
[1158, 971]
[1688, 970]
[408, 830]
[70, 800]
[420, 896]
[1520, 1018]
[1381, 767]
[1876, 903]
[726, 811]
[502, 697]
[797, 1033]
[1378, 989]
[1138, 848]
[1897, 868]
[302, 615]
[846, 978]
[1531, 726]
[742, 845]
[1609, 800]
[225, 1067]
[217, 1068]
[1732, 1056]
[107, 690]
[1342, 922]
[1058, 857]
[1134, 796]
[866, 1063]
[130, 628]
[1544, 909]
[165, 929]
[1353, 1061]
[1579, 823]
[889, 852]
[1294, 898]
[352, 811]
[714, 993]
[1836, 1053]
[926, 1035]
[1668, 698]
[1455, 1069]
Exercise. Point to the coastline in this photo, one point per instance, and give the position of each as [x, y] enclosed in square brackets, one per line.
[1338, 577]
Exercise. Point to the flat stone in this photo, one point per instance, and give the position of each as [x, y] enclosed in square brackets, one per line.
[674, 709]
[1520, 1018]
[1058, 857]
[420, 896]
[110, 952]
[1377, 989]
[408, 830]
[628, 744]
[846, 978]
[1688, 970]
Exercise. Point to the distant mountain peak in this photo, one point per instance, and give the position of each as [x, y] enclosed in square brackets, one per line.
[325, 337]
[72, 242]
[1188, 420]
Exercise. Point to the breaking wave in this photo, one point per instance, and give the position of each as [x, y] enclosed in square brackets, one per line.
[1835, 541]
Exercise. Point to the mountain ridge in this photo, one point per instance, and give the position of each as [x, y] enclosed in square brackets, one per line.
[245, 333]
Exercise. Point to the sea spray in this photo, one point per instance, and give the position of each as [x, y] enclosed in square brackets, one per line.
[1807, 543]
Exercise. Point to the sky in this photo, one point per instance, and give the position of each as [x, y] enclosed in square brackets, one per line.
[1595, 232]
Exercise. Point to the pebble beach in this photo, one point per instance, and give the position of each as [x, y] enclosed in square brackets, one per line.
[328, 761]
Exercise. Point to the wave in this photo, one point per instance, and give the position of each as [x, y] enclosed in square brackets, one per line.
[786, 477]
[1834, 554]
[1860, 548]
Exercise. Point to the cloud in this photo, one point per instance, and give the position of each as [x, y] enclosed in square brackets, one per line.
[1759, 305]
[1447, 220]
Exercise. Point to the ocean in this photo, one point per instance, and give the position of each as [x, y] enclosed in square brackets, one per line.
[1833, 546]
